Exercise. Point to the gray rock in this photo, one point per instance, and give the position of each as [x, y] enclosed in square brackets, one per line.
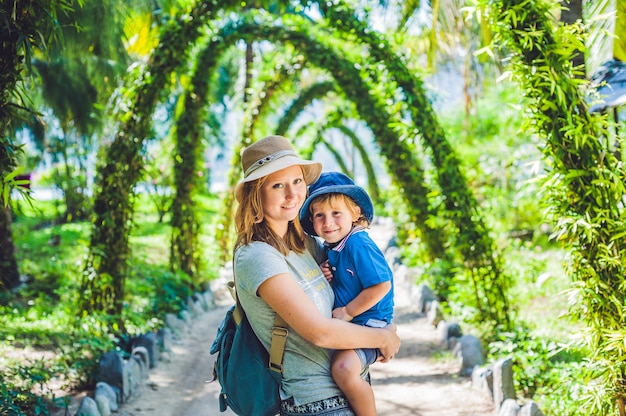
[111, 370]
[133, 372]
[434, 315]
[482, 379]
[143, 355]
[150, 343]
[176, 325]
[425, 296]
[185, 316]
[447, 331]
[469, 352]
[165, 338]
[193, 307]
[104, 406]
[201, 300]
[143, 368]
[503, 387]
[509, 408]
[88, 407]
[104, 390]
[530, 409]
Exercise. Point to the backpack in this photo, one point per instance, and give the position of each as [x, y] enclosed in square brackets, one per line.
[250, 380]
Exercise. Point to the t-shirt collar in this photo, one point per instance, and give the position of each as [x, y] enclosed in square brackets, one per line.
[339, 245]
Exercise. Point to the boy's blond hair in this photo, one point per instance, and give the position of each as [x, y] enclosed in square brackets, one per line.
[332, 200]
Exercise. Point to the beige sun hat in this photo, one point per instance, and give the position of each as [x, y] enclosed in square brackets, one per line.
[269, 155]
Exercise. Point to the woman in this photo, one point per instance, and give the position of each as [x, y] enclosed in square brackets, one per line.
[275, 273]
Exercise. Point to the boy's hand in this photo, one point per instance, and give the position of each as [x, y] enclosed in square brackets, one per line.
[326, 271]
[340, 313]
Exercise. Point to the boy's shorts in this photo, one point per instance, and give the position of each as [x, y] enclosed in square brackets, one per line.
[367, 356]
[370, 355]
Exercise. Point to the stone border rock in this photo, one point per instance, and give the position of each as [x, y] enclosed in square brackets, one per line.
[494, 380]
[122, 376]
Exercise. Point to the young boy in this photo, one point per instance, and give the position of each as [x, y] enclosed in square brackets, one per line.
[339, 211]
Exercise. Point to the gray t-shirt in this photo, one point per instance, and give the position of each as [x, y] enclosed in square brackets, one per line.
[306, 367]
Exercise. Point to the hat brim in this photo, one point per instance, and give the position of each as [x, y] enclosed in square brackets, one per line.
[355, 192]
[311, 170]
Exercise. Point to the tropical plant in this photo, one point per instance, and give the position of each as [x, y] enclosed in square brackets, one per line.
[584, 186]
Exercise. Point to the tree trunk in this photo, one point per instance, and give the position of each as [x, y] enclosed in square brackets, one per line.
[9, 272]
[15, 17]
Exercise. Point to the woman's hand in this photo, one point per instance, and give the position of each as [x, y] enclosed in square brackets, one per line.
[392, 346]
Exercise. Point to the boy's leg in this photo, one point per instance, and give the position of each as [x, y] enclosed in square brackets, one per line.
[346, 370]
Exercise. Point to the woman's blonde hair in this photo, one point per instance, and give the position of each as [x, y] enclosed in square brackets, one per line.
[251, 226]
[333, 200]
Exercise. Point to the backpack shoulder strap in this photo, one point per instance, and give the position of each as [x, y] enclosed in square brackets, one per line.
[277, 347]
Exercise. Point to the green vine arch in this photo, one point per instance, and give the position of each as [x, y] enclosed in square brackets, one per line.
[400, 154]
[114, 202]
[473, 240]
[102, 288]
[319, 90]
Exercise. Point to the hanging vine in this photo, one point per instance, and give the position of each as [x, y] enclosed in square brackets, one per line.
[336, 122]
[304, 99]
[472, 238]
[184, 252]
[107, 267]
[585, 185]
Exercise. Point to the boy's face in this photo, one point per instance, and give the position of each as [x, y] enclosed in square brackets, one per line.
[332, 223]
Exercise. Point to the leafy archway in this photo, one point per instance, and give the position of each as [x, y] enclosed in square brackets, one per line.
[106, 269]
[400, 154]
[473, 242]
[118, 176]
[489, 284]
[320, 90]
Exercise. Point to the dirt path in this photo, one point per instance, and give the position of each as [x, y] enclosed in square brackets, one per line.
[418, 381]
[421, 380]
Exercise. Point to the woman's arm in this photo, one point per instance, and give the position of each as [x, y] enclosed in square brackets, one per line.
[282, 293]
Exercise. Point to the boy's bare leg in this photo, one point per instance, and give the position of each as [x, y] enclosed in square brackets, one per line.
[346, 371]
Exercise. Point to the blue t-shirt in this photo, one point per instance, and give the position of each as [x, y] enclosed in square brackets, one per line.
[357, 263]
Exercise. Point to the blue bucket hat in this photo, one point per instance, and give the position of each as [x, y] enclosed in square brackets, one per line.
[335, 183]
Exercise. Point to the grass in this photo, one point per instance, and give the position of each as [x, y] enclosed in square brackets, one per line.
[41, 341]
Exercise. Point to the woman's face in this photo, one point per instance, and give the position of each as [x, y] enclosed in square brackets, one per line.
[283, 193]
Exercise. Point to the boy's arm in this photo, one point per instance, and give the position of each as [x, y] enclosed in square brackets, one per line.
[365, 300]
